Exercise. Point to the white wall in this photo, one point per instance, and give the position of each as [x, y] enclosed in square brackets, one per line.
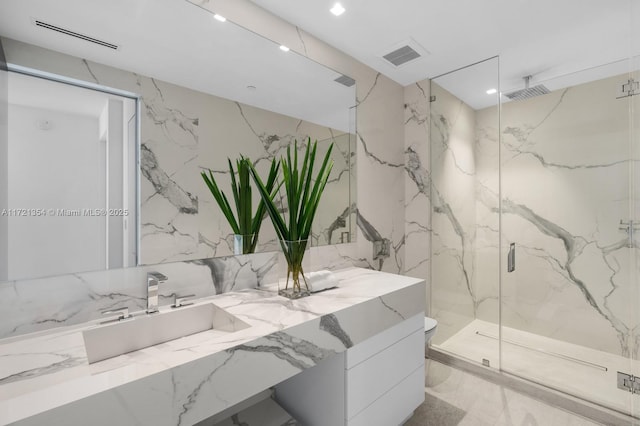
[43, 174]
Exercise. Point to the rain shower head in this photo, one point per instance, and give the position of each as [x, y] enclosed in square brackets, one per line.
[527, 92]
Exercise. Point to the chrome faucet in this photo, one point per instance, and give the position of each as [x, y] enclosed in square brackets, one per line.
[153, 281]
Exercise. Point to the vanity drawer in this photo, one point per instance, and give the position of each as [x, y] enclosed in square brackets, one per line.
[372, 378]
[396, 405]
[383, 340]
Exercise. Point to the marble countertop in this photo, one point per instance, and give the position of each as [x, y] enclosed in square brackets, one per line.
[45, 378]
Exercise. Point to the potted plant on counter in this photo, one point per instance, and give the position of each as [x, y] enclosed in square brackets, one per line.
[303, 191]
[244, 223]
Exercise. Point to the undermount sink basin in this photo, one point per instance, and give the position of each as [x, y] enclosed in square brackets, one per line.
[109, 340]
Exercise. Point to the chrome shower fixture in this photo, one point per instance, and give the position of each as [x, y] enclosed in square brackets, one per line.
[527, 92]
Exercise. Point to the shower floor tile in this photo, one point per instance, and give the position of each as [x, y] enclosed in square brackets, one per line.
[580, 371]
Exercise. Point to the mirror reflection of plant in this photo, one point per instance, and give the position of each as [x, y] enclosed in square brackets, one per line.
[243, 222]
[303, 191]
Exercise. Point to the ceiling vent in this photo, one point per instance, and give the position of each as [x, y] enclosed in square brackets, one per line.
[403, 52]
[76, 35]
[345, 80]
[401, 56]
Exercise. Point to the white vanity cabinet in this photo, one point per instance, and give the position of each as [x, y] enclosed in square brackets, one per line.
[379, 381]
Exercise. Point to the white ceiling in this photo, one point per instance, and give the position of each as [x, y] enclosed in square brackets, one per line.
[543, 38]
[175, 41]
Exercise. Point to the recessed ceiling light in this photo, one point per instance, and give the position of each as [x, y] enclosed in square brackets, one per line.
[337, 9]
[284, 48]
[491, 91]
[219, 18]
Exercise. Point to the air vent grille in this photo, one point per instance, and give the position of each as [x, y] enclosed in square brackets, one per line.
[345, 80]
[76, 35]
[401, 56]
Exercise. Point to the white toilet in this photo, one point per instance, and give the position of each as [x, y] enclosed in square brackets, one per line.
[430, 326]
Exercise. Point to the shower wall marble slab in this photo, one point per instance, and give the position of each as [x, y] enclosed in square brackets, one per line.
[66, 300]
[454, 298]
[565, 182]
[565, 188]
[417, 181]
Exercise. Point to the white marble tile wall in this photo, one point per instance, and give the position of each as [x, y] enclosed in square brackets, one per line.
[417, 181]
[185, 132]
[454, 298]
[565, 182]
[39, 304]
[565, 188]
[379, 140]
[380, 192]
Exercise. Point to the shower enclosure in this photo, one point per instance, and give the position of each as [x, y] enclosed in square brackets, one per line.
[534, 267]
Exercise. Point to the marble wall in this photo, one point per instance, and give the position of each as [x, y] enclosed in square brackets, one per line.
[565, 176]
[31, 305]
[185, 132]
[417, 179]
[455, 302]
[379, 139]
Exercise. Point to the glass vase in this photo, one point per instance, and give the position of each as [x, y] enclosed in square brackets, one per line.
[243, 244]
[295, 262]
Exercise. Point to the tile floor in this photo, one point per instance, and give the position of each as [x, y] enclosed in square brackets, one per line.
[454, 397]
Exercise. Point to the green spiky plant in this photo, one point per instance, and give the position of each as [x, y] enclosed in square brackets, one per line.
[303, 191]
[243, 222]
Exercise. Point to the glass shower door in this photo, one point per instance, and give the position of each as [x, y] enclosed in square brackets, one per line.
[464, 170]
[567, 212]
[634, 291]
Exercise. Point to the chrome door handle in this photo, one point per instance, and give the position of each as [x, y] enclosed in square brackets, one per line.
[511, 258]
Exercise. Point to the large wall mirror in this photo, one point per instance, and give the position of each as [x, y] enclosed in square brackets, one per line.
[116, 107]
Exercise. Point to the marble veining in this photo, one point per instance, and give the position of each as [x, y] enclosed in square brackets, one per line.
[196, 376]
[564, 192]
[417, 180]
[574, 246]
[184, 132]
[299, 353]
[167, 117]
[331, 325]
[33, 305]
[193, 396]
[41, 304]
[373, 156]
[164, 185]
[370, 90]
